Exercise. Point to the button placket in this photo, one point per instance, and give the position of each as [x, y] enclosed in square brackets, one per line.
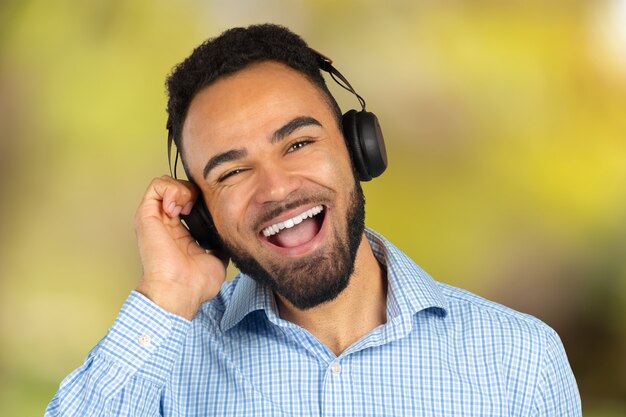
[335, 367]
[339, 392]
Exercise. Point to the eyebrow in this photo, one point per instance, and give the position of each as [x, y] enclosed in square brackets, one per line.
[281, 133]
[292, 126]
[221, 158]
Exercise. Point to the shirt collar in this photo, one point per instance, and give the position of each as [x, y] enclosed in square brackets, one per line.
[248, 296]
[410, 289]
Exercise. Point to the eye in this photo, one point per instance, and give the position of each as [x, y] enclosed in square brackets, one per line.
[230, 173]
[297, 145]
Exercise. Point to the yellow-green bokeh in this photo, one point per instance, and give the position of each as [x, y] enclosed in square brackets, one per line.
[506, 130]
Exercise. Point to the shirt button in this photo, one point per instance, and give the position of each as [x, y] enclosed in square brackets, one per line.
[335, 367]
[144, 340]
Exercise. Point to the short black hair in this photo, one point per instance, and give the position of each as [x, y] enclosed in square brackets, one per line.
[232, 51]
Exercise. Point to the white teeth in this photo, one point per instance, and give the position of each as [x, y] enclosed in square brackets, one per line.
[289, 223]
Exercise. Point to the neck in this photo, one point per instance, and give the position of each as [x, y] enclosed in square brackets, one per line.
[333, 323]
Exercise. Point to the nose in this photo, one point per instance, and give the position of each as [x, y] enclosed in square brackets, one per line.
[275, 183]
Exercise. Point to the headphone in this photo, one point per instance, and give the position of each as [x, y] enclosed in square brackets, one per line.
[361, 132]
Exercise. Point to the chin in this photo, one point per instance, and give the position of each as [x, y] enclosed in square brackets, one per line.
[316, 270]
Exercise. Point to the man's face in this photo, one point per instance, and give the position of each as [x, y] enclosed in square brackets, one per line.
[265, 149]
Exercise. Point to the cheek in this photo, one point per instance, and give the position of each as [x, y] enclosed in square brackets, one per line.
[333, 168]
[340, 168]
[227, 212]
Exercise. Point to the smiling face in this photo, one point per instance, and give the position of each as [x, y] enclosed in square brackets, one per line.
[265, 149]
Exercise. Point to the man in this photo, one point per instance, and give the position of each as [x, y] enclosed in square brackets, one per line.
[327, 318]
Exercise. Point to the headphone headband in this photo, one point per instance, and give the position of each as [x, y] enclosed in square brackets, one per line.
[326, 64]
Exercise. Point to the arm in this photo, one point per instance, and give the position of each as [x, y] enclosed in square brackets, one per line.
[125, 373]
[557, 392]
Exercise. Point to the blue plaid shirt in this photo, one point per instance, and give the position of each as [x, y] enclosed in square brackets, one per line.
[442, 352]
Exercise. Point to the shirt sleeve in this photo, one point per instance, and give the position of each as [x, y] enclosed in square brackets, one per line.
[125, 372]
[557, 392]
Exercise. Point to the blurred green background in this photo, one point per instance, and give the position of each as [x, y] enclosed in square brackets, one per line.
[505, 123]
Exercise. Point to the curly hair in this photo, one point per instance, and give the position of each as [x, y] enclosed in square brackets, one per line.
[232, 51]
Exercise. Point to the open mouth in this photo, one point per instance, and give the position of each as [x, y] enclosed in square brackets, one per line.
[297, 230]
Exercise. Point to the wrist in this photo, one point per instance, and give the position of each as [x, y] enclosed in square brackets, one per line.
[179, 301]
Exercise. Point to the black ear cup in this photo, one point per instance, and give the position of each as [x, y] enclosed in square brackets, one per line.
[351, 135]
[364, 139]
[201, 226]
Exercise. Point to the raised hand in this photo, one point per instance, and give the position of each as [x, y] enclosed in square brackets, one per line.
[178, 275]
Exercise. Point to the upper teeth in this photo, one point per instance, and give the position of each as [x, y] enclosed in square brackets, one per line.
[289, 223]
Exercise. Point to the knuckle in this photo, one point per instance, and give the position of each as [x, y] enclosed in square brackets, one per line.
[186, 193]
[155, 183]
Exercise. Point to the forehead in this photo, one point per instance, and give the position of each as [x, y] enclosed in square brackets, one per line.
[250, 103]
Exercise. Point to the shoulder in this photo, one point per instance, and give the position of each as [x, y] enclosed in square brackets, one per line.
[527, 351]
[525, 346]
[475, 314]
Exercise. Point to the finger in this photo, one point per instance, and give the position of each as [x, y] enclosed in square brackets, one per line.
[174, 195]
[187, 208]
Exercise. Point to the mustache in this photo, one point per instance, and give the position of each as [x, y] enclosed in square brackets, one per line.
[274, 210]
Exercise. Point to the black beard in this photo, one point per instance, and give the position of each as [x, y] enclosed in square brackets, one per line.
[319, 278]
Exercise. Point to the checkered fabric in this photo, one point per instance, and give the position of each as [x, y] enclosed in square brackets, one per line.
[442, 352]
